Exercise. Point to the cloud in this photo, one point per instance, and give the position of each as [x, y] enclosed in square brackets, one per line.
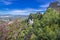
[33, 10]
[46, 1]
[6, 2]
[44, 5]
[26, 11]
[18, 12]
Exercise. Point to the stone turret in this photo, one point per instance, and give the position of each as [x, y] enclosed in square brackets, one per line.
[55, 5]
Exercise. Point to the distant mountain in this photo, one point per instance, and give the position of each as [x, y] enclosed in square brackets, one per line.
[9, 17]
[13, 15]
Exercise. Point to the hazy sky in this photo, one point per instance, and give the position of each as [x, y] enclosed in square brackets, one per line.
[23, 7]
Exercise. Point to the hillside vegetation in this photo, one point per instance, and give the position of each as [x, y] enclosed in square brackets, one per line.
[45, 27]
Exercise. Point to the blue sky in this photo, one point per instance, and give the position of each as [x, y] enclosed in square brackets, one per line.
[23, 7]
